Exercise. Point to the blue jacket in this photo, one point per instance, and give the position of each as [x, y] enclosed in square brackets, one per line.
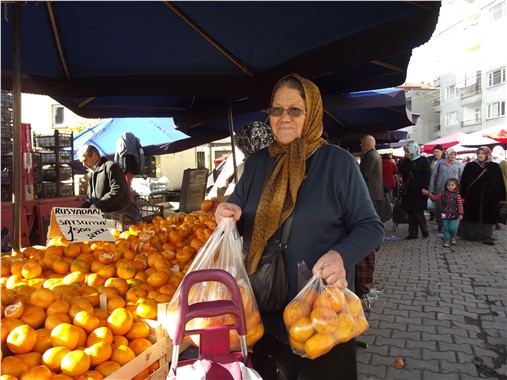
[333, 211]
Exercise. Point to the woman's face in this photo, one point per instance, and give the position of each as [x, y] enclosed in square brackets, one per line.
[481, 155]
[452, 156]
[287, 128]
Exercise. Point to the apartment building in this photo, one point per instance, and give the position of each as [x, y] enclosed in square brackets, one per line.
[472, 83]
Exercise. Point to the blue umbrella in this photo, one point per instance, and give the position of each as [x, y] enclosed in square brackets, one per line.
[153, 132]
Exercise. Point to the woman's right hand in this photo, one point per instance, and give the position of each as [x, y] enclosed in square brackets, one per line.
[227, 210]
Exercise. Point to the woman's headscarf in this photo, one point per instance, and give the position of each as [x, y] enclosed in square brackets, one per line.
[282, 184]
[449, 150]
[488, 156]
[414, 150]
[253, 136]
[448, 153]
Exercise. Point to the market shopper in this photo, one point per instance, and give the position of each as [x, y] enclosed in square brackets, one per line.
[371, 170]
[389, 171]
[107, 187]
[438, 154]
[445, 168]
[452, 209]
[482, 188]
[416, 175]
[334, 222]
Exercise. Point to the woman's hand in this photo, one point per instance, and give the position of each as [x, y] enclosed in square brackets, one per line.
[333, 270]
[227, 210]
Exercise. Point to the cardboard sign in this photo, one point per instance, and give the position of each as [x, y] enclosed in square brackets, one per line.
[78, 225]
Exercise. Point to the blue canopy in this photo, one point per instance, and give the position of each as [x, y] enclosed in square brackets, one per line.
[191, 58]
[153, 133]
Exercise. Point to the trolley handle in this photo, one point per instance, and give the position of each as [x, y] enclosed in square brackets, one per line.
[188, 312]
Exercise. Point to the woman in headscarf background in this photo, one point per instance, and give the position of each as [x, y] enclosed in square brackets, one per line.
[447, 167]
[416, 173]
[334, 222]
[482, 189]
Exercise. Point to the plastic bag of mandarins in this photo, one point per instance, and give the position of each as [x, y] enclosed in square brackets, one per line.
[223, 250]
[322, 316]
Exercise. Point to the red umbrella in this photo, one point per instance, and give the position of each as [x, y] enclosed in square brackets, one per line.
[499, 135]
[456, 138]
[446, 142]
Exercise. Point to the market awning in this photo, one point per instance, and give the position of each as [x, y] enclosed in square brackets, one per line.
[189, 59]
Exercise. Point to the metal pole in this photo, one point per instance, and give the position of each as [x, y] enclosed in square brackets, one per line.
[16, 110]
[231, 132]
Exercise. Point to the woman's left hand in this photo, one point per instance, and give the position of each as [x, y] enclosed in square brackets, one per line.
[333, 270]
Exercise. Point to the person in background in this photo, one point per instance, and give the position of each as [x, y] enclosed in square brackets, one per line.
[334, 222]
[416, 175]
[437, 155]
[371, 170]
[452, 209]
[389, 170]
[498, 154]
[445, 168]
[482, 189]
[251, 137]
[129, 155]
[107, 187]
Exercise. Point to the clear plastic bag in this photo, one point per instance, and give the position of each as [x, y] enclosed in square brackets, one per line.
[322, 316]
[223, 250]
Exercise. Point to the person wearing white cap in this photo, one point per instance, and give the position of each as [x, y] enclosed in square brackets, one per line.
[448, 167]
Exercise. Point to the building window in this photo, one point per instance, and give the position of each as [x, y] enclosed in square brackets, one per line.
[477, 115]
[58, 115]
[450, 92]
[496, 109]
[496, 77]
[451, 119]
[497, 12]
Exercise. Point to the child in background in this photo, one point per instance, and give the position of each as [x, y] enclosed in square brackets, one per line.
[452, 209]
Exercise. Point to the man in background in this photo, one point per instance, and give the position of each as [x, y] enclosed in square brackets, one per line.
[107, 187]
[371, 169]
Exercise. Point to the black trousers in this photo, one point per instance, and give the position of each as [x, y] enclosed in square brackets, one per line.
[416, 220]
[276, 361]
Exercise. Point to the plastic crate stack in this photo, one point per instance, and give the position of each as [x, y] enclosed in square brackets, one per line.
[55, 158]
[6, 142]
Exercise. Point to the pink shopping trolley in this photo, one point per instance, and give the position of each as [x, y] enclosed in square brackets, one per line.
[215, 356]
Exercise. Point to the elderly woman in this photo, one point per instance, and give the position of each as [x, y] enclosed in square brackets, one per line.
[334, 223]
[448, 167]
[416, 173]
[482, 188]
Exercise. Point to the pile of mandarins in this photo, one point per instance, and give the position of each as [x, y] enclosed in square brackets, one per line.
[318, 320]
[52, 325]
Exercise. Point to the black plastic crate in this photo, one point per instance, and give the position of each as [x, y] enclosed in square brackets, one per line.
[6, 162]
[66, 189]
[64, 157]
[57, 189]
[58, 140]
[134, 213]
[50, 173]
[49, 189]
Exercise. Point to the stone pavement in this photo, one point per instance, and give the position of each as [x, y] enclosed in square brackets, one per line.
[442, 310]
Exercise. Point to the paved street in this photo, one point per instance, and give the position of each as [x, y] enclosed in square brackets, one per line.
[443, 311]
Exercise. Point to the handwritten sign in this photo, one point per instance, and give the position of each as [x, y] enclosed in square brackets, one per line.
[78, 224]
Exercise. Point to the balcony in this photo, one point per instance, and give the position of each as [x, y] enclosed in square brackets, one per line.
[468, 123]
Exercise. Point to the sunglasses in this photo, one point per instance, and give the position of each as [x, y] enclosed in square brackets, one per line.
[291, 111]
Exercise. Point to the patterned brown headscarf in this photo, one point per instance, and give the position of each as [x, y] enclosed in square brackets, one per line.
[282, 184]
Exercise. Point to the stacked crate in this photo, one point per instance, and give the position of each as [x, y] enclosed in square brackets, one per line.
[55, 159]
[6, 145]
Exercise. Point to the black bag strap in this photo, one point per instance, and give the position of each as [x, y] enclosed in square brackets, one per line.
[475, 180]
[286, 231]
